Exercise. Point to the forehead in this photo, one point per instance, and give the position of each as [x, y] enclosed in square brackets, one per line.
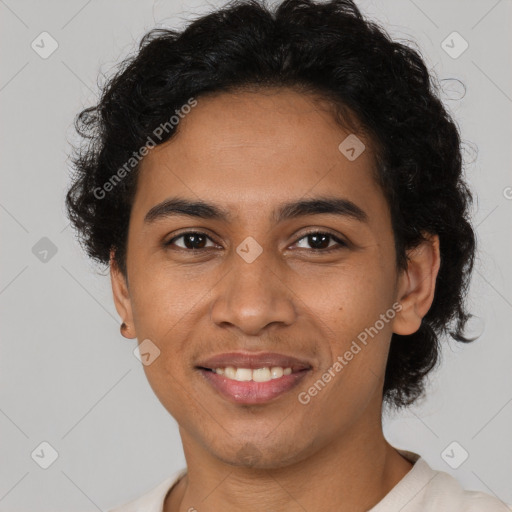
[252, 149]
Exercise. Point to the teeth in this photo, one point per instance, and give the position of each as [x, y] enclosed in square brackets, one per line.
[257, 375]
[261, 375]
[276, 372]
[243, 374]
[229, 372]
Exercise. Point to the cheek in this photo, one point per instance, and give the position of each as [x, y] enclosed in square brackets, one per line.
[167, 304]
[346, 307]
[347, 298]
[161, 297]
[162, 308]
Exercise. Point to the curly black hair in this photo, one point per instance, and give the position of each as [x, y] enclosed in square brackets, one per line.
[328, 49]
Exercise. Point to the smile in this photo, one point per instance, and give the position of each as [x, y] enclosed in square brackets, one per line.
[250, 387]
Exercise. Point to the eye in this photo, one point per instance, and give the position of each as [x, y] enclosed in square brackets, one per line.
[319, 241]
[192, 240]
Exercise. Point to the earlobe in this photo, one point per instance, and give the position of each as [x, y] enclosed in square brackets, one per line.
[416, 285]
[122, 300]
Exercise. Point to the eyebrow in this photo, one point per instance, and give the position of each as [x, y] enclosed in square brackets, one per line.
[176, 206]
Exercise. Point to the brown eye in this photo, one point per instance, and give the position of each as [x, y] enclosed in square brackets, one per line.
[191, 240]
[318, 240]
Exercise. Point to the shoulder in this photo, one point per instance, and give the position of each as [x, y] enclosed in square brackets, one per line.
[424, 489]
[445, 493]
[152, 500]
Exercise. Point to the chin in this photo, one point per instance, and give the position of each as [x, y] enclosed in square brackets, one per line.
[265, 454]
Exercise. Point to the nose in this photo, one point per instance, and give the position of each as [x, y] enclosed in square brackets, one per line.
[252, 296]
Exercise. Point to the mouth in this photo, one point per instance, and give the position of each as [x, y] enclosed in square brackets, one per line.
[245, 378]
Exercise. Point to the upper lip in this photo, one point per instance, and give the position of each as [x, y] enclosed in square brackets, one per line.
[254, 360]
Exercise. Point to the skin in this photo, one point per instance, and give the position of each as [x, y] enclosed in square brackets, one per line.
[250, 152]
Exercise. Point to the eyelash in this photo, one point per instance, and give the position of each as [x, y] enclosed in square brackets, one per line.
[341, 243]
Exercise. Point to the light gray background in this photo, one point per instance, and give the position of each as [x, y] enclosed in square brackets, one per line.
[67, 377]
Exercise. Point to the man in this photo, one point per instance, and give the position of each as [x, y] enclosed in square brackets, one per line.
[279, 196]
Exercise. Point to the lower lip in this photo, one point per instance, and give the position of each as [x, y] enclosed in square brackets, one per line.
[250, 392]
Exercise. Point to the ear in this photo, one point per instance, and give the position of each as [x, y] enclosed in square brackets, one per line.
[122, 299]
[416, 285]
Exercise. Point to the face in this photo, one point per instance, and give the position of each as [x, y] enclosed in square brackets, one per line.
[298, 282]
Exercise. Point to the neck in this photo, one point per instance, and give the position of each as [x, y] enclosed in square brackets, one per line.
[351, 474]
